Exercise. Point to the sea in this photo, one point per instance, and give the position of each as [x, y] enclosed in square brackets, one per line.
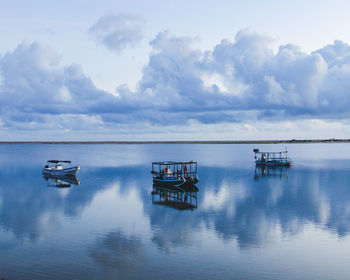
[244, 223]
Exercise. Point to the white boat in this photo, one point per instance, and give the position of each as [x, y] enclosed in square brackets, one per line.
[60, 167]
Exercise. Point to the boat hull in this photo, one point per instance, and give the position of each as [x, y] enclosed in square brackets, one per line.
[168, 183]
[70, 171]
[273, 163]
[179, 184]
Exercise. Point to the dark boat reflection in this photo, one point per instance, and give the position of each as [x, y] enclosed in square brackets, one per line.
[271, 171]
[181, 199]
[61, 181]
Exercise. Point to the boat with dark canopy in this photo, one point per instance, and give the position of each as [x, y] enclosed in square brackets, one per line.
[174, 174]
[272, 158]
[60, 167]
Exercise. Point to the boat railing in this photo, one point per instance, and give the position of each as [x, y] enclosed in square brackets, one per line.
[174, 170]
[274, 159]
[174, 175]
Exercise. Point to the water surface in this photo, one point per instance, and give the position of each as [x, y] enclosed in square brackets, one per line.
[248, 224]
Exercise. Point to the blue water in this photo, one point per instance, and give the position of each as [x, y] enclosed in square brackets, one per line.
[285, 224]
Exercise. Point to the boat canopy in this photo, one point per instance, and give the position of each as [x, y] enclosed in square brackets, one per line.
[57, 161]
[173, 162]
[271, 154]
[174, 169]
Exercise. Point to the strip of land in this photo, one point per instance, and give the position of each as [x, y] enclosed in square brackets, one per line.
[292, 141]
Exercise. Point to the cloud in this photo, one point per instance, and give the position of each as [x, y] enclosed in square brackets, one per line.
[244, 75]
[35, 88]
[117, 32]
[239, 81]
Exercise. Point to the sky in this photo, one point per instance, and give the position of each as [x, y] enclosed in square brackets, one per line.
[174, 70]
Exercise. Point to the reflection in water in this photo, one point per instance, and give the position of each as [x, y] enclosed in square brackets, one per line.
[175, 198]
[30, 211]
[118, 253]
[233, 212]
[61, 181]
[254, 212]
[170, 230]
[271, 171]
[229, 202]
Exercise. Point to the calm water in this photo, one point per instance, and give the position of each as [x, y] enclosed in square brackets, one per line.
[287, 224]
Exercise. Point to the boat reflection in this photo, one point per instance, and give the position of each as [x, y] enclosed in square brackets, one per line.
[61, 181]
[271, 171]
[181, 199]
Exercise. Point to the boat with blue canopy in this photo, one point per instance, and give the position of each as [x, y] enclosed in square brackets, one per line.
[272, 158]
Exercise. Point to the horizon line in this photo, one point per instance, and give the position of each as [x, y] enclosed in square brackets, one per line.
[291, 141]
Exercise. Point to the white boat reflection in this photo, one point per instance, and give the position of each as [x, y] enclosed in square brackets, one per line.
[61, 181]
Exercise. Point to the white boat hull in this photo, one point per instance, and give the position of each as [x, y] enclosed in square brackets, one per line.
[70, 171]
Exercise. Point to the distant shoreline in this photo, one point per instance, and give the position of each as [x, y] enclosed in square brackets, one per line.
[293, 141]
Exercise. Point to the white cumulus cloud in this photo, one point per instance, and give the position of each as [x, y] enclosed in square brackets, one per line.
[117, 31]
[239, 81]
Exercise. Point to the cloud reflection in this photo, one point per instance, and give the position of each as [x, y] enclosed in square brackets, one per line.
[32, 211]
[117, 252]
[230, 203]
[252, 212]
[270, 204]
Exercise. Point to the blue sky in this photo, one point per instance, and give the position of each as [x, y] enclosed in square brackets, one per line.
[159, 70]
